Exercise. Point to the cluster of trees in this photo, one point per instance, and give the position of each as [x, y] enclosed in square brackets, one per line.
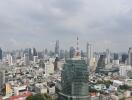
[39, 97]
[124, 87]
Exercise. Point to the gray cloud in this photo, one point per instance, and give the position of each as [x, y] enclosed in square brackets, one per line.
[105, 23]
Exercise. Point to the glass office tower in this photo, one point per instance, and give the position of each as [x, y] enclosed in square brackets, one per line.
[74, 81]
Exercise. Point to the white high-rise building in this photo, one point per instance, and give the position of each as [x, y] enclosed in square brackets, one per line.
[130, 56]
[89, 50]
[107, 56]
[10, 60]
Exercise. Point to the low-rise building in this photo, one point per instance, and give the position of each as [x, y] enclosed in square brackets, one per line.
[40, 88]
[128, 82]
[100, 87]
[123, 69]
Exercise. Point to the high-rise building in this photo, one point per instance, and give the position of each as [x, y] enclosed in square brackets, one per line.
[130, 56]
[35, 59]
[56, 64]
[89, 52]
[124, 58]
[49, 67]
[107, 56]
[101, 63]
[40, 55]
[116, 56]
[30, 54]
[10, 59]
[72, 52]
[57, 48]
[0, 54]
[62, 54]
[116, 59]
[123, 69]
[2, 78]
[82, 54]
[26, 59]
[46, 51]
[66, 54]
[74, 81]
[51, 54]
[34, 52]
[18, 54]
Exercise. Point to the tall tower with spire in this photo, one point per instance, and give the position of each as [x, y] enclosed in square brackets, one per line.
[77, 49]
[77, 55]
[57, 48]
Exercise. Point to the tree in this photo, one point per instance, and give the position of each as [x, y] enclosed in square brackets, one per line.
[124, 87]
[123, 98]
[107, 83]
[39, 97]
[47, 97]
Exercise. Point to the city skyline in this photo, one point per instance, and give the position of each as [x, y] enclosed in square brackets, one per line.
[65, 49]
[104, 23]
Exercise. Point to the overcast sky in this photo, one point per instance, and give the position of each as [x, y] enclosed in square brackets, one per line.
[38, 23]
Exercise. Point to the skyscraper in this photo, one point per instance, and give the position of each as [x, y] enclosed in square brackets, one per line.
[72, 52]
[62, 54]
[130, 56]
[82, 54]
[101, 63]
[10, 59]
[30, 54]
[0, 54]
[89, 52]
[116, 60]
[34, 52]
[26, 59]
[124, 58]
[107, 56]
[46, 51]
[74, 81]
[2, 78]
[57, 48]
[116, 56]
